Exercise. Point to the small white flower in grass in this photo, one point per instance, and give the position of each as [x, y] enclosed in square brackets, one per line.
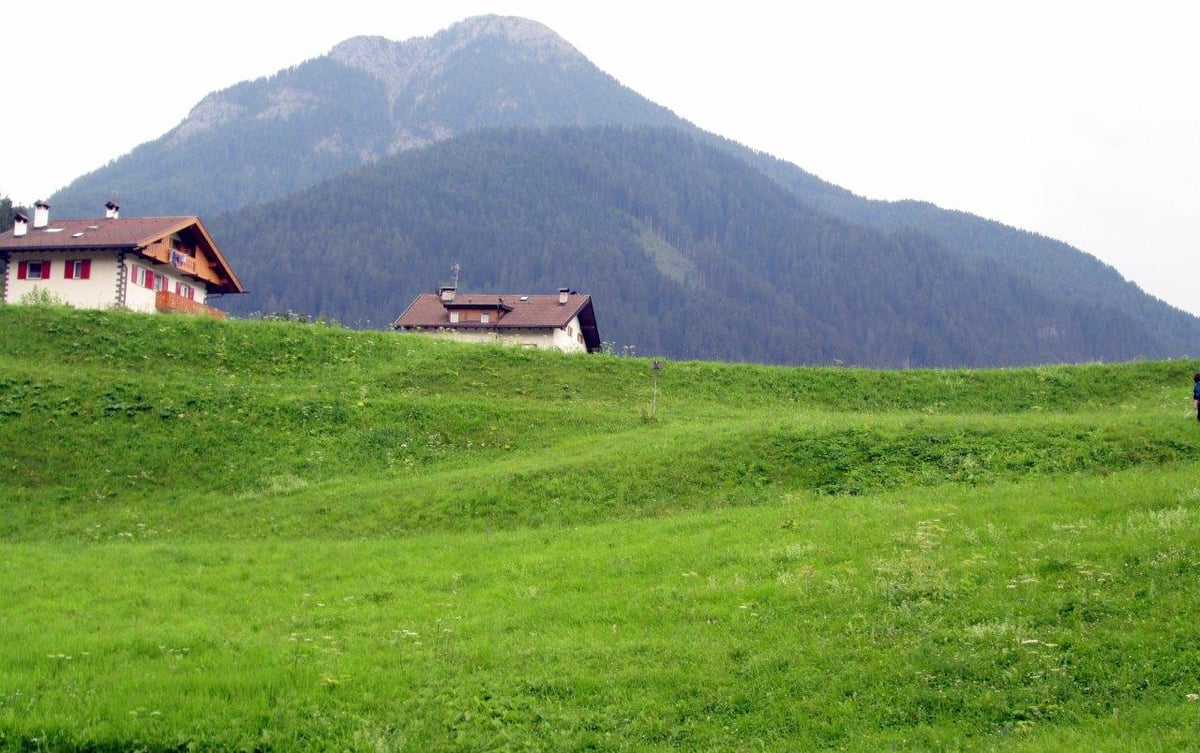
[1193, 697]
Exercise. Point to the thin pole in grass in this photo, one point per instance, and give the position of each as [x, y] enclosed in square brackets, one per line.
[654, 369]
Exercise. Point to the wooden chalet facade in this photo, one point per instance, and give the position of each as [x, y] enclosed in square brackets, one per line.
[565, 321]
[147, 264]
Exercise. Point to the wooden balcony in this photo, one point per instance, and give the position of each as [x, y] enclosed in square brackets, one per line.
[183, 262]
[170, 303]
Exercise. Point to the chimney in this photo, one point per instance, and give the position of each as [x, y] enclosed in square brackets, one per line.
[112, 211]
[41, 214]
[446, 294]
[20, 225]
[562, 296]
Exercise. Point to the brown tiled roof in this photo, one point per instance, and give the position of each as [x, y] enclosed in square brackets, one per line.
[527, 312]
[128, 234]
[98, 233]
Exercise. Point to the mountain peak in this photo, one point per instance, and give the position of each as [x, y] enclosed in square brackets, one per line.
[398, 64]
[387, 60]
[522, 32]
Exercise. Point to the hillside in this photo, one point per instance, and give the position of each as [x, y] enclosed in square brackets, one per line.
[281, 403]
[687, 251]
[1058, 270]
[273, 536]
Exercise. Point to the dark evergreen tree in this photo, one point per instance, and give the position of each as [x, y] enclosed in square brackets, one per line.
[6, 213]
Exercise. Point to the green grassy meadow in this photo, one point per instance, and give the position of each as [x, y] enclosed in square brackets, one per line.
[261, 535]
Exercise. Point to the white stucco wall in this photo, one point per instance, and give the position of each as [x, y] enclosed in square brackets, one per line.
[99, 291]
[570, 340]
[524, 338]
[138, 298]
[141, 298]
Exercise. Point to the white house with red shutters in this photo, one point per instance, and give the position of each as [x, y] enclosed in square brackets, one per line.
[148, 264]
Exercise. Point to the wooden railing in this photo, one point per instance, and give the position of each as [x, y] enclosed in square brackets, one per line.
[168, 302]
[182, 262]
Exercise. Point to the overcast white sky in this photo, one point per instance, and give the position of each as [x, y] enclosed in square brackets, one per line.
[1076, 120]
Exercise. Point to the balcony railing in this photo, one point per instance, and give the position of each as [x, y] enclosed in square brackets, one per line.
[172, 303]
[182, 262]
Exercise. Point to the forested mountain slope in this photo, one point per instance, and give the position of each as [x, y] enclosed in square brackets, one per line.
[371, 99]
[688, 252]
[1055, 268]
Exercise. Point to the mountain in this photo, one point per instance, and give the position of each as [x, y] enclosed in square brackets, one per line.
[368, 98]
[322, 127]
[1053, 267]
[688, 252]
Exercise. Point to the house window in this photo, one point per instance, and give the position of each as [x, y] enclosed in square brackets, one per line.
[78, 269]
[184, 290]
[485, 317]
[143, 277]
[454, 317]
[33, 270]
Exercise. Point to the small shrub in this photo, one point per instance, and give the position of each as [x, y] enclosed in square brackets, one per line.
[41, 297]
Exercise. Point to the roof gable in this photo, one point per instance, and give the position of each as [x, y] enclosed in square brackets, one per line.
[146, 236]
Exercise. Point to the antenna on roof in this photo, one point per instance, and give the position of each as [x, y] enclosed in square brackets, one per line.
[446, 292]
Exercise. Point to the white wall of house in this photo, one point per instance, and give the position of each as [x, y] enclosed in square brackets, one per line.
[138, 297]
[570, 339]
[99, 291]
[556, 339]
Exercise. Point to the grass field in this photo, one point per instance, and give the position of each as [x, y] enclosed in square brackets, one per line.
[274, 536]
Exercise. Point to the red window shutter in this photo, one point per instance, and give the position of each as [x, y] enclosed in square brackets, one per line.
[87, 269]
[67, 268]
[22, 270]
[149, 279]
[46, 266]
